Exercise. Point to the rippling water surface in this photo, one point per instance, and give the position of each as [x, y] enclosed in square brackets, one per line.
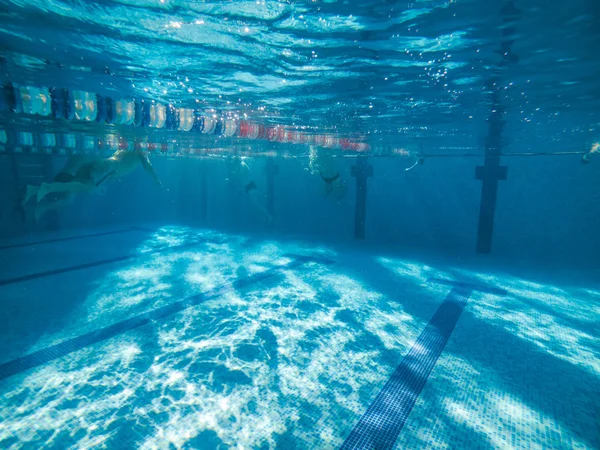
[388, 71]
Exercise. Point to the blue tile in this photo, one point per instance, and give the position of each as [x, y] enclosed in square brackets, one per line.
[473, 287]
[89, 265]
[72, 238]
[48, 354]
[380, 426]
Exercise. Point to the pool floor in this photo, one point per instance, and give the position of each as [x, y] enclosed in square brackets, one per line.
[179, 338]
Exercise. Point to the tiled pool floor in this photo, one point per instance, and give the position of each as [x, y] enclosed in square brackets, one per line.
[179, 338]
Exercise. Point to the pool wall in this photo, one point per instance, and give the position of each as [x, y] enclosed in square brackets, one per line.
[546, 210]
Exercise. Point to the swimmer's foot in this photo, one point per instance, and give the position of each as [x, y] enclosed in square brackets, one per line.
[330, 179]
[30, 191]
[42, 191]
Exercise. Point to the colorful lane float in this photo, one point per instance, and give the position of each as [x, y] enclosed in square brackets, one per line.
[90, 107]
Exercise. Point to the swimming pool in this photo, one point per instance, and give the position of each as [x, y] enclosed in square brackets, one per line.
[175, 337]
[284, 225]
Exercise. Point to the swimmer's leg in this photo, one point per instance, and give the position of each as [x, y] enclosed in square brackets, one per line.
[252, 198]
[42, 208]
[32, 191]
[73, 187]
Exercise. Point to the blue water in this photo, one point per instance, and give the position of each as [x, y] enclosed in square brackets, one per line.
[245, 302]
[392, 70]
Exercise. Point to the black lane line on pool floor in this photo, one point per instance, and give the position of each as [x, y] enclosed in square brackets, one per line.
[48, 354]
[72, 238]
[103, 262]
[380, 426]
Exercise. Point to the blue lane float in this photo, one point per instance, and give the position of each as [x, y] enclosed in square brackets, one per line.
[60, 103]
[6, 99]
[171, 118]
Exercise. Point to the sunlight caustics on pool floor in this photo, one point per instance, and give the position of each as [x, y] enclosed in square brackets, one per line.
[172, 337]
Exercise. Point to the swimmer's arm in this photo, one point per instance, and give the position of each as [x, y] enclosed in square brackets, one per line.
[148, 168]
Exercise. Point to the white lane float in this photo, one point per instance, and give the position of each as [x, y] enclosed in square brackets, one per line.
[89, 143]
[186, 119]
[124, 112]
[47, 140]
[209, 125]
[32, 100]
[230, 127]
[69, 141]
[84, 105]
[25, 138]
[158, 115]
